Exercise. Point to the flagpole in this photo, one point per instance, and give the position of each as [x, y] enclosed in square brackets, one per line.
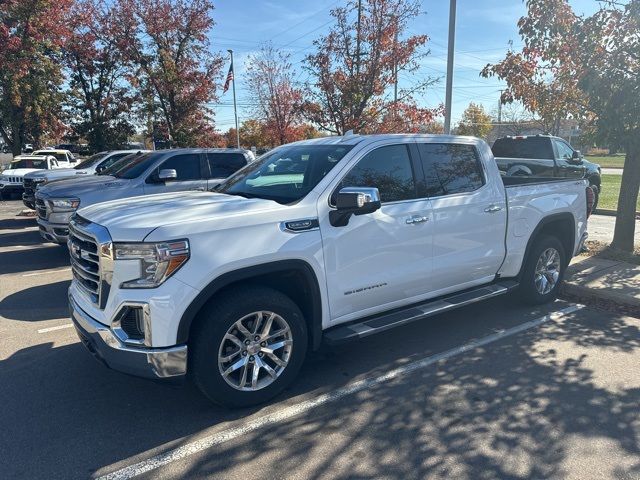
[235, 106]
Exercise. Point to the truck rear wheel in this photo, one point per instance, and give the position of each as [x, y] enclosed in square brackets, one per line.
[248, 346]
[543, 271]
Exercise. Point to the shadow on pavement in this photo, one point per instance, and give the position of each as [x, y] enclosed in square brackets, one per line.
[17, 223]
[42, 302]
[507, 411]
[34, 259]
[516, 409]
[30, 237]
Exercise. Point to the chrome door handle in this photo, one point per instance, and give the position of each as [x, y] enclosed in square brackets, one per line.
[416, 219]
[197, 189]
[493, 209]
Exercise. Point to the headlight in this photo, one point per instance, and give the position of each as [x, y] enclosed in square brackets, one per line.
[158, 261]
[64, 204]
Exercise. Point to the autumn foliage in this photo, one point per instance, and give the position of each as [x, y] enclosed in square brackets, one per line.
[32, 34]
[587, 68]
[167, 42]
[356, 65]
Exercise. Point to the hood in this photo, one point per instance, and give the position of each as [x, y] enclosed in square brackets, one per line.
[132, 219]
[18, 172]
[77, 186]
[57, 173]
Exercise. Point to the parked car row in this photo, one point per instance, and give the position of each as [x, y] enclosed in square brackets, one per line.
[56, 195]
[11, 179]
[205, 262]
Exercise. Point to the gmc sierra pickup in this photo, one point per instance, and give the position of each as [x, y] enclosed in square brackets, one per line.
[328, 240]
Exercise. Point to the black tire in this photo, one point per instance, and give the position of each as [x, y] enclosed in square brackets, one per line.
[528, 290]
[217, 318]
[596, 196]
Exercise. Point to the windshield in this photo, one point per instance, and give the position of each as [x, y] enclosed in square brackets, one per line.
[285, 174]
[90, 161]
[134, 166]
[61, 157]
[29, 163]
[525, 147]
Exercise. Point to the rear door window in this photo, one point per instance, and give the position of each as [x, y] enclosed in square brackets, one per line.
[450, 168]
[223, 165]
[525, 147]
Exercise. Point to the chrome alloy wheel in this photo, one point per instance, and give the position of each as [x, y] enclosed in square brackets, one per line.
[547, 271]
[255, 351]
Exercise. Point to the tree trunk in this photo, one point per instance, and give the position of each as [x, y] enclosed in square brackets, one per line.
[623, 236]
[16, 147]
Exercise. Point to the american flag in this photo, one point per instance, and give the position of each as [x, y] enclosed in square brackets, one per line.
[229, 79]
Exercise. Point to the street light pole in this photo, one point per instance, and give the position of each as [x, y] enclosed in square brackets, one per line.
[452, 38]
[235, 105]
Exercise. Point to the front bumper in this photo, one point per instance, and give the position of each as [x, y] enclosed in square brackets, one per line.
[153, 363]
[53, 232]
[29, 201]
[11, 188]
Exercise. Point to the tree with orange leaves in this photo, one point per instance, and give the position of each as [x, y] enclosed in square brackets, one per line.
[356, 66]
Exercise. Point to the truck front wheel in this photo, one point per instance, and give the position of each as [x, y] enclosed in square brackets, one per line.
[247, 346]
[543, 271]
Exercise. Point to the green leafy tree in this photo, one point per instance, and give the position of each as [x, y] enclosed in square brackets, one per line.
[474, 122]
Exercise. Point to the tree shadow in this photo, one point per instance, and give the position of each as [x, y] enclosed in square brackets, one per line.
[515, 409]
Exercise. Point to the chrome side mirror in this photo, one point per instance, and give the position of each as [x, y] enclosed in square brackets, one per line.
[354, 201]
[167, 174]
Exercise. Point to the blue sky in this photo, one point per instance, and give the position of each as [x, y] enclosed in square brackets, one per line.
[483, 31]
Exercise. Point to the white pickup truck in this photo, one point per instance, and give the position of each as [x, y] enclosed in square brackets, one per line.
[322, 240]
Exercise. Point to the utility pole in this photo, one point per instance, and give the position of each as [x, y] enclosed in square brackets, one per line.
[452, 38]
[500, 107]
[235, 105]
[395, 68]
[358, 37]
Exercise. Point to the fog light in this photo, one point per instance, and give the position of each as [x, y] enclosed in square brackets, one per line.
[131, 321]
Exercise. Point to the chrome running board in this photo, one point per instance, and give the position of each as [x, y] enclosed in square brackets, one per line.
[386, 321]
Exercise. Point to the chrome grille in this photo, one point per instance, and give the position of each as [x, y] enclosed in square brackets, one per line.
[85, 262]
[29, 187]
[8, 179]
[41, 208]
[91, 258]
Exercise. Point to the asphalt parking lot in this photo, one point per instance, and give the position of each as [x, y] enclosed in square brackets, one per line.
[494, 390]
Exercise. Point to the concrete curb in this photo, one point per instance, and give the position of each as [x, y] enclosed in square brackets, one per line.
[569, 289]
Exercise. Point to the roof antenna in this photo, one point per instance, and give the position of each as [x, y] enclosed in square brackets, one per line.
[348, 133]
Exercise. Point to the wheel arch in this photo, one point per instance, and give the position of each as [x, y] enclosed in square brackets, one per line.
[559, 225]
[294, 278]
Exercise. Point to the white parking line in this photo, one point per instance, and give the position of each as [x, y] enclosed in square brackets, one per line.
[53, 329]
[289, 412]
[46, 272]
